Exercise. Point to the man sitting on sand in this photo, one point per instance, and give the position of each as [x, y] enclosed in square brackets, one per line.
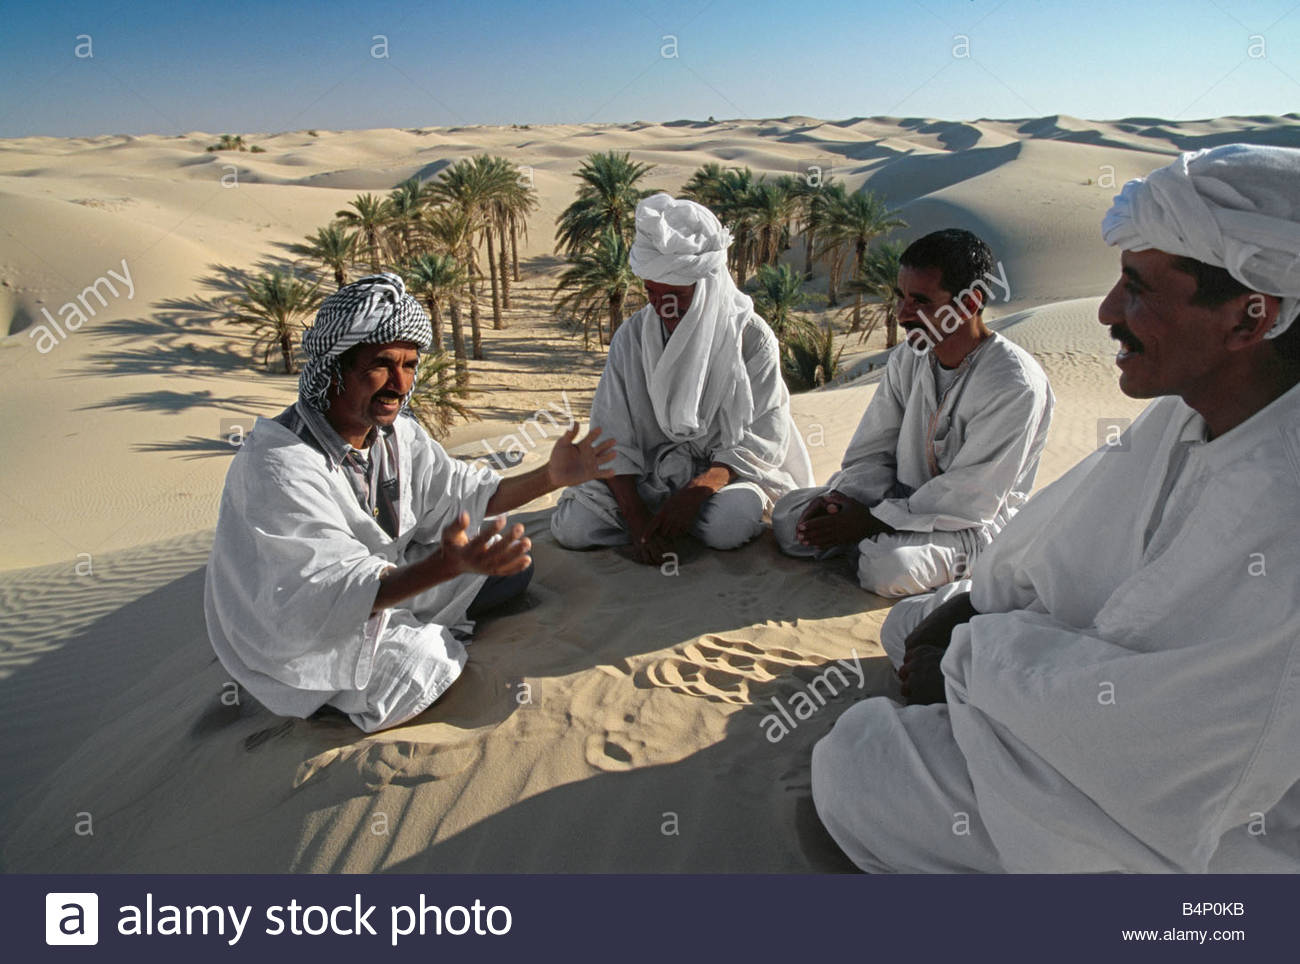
[348, 553]
[949, 445]
[1122, 675]
[692, 391]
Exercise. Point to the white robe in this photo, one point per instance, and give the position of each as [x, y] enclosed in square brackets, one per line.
[966, 461]
[767, 452]
[1129, 699]
[295, 568]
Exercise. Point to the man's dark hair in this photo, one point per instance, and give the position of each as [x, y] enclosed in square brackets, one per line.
[1215, 286]
[961, 257]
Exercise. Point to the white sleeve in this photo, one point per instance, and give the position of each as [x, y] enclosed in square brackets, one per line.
[973, 488]
[766, 439]
[870, 465]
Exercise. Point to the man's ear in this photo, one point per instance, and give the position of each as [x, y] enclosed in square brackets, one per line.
[1254, 314]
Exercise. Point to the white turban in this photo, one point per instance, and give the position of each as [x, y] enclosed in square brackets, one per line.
[699, 377]
[1235, 206]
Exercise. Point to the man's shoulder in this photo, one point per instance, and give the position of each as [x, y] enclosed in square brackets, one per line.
[756, 336]
[1006, 363]
[628, 336]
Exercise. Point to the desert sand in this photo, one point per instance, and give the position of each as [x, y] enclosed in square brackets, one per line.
[612, 721]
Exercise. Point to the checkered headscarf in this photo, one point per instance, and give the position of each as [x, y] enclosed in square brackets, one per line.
[373, 310]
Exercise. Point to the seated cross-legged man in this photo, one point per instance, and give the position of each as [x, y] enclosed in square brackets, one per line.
[352, 553]
[1117, 688]
[692, 390]
[949, 445]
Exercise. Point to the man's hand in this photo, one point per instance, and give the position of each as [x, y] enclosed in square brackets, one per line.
[921, 676]
[458, 554]
[679, 512]
[505, 557]
[649, 547]
[573, 464]
[936, 629]
[834, 519]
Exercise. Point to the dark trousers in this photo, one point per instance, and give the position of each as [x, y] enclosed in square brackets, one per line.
[498, 590]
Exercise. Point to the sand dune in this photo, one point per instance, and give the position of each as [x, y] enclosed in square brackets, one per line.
[615, 720]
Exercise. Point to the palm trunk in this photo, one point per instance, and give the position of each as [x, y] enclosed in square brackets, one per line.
[475, 330]
[458, 343]
[514, 250]
[372, 238]
[615, 312]
[497, 324]
[501, 263]
[808, 256]
[891, 328]
[286, 350]
[833, 281]
[859, 251]
[435, 318]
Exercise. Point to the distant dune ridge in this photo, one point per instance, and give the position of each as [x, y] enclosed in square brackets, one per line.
[611, 723]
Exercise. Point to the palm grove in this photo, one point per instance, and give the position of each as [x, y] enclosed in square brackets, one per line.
[455, 241]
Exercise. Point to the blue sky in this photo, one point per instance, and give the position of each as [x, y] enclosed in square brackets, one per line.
[249, 67]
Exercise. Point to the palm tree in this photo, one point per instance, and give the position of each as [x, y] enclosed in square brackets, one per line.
[822, 209]
[517, 202]
[705, 186]
[463, 190]
[451, 230]
[497, 178]
[599, 281]
[607, 197]
[877, 276]
[735, 209]
[771, 205]
[274, 306]
[435, 399]
[526, 202]
[334, 247]
[810, 360]
[811, 211]
[779, 290]
[402, 214]
[855, 221]
[370, 215]
[437, 278]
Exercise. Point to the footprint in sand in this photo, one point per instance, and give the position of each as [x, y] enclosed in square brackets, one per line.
[613, 751]
[721, 670]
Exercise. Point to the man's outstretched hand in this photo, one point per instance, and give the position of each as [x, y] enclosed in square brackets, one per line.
[504, 557]
[834, 519]
[921, 676]
[574, 463]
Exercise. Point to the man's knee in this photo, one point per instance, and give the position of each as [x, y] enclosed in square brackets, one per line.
[573, 524]
[845, 766]
[904, 616]
[731, 518]
[894, 571]
[785, 521]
